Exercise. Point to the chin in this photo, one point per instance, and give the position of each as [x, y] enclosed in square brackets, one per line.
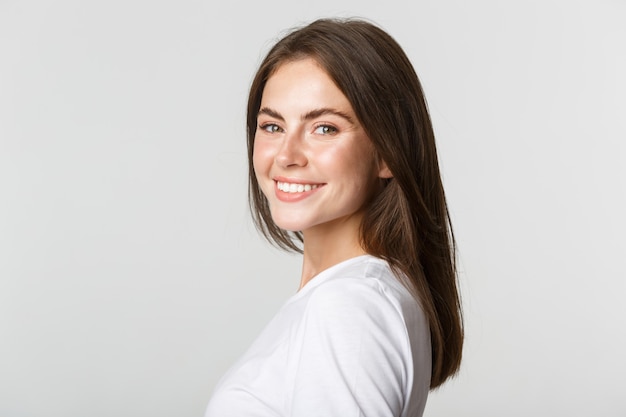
[289, 224]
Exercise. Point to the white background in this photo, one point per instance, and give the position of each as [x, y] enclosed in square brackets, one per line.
[131, 277]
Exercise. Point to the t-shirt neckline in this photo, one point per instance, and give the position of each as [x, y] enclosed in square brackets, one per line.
[323, 275]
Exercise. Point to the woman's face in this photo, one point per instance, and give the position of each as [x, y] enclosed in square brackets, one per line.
[312, 159]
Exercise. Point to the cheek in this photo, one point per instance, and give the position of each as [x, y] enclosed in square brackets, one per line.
[261, 158]
[355, 164]
[262, 162]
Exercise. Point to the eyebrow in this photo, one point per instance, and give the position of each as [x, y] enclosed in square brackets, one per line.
[313, 114]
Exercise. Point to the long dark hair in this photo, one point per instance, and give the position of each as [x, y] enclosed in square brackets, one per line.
[407, 223]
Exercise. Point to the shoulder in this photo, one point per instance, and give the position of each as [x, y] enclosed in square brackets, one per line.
[365, 279]
[361, 320]
[364, 292]
[362, 336]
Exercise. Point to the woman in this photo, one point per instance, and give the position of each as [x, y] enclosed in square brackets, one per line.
[343, 168]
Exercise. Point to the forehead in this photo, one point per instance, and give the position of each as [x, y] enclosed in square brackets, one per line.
[303, 82]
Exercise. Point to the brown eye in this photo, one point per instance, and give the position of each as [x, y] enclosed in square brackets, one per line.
[271, 128]
[325, 130]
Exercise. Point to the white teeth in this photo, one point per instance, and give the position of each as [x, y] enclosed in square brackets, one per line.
[295, 188]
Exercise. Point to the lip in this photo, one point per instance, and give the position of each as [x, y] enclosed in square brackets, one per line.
[294, 197]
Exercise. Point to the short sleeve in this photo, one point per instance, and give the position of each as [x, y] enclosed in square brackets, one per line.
[350, 355]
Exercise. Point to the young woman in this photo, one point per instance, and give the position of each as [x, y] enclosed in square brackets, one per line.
[343, 168]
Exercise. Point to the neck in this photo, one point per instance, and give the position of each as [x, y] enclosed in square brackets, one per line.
[329, 244]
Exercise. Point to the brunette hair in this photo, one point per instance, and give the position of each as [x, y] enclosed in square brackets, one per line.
[407, 223]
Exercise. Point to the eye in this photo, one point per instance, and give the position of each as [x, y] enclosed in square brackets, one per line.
[271, 128]
[325, 130]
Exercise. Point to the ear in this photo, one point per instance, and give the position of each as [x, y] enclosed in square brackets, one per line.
[383, 170]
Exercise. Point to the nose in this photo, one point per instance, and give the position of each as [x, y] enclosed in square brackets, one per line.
[291, 152]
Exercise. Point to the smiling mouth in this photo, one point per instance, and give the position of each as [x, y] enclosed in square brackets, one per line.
[287, 187]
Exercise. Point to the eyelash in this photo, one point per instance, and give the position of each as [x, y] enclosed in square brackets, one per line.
[333, 129]
[274, 128]
[271, 127]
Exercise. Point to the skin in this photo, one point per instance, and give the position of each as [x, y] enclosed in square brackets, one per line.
[308, 133]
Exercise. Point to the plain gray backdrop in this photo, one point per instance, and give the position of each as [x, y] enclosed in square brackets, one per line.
[131, 277]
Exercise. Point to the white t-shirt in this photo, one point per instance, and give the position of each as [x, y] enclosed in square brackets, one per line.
[352, 342]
